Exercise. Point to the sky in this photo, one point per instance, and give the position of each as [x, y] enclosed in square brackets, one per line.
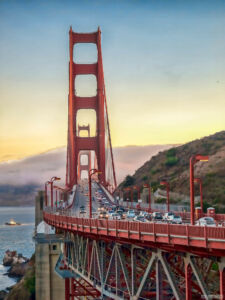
[164, 67]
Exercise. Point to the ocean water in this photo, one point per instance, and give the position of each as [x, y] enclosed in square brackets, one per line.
[17, 238]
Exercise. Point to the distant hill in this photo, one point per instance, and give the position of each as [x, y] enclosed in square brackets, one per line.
[23, 195]
[173, 165]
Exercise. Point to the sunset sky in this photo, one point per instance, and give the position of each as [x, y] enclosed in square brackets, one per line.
[164, 65]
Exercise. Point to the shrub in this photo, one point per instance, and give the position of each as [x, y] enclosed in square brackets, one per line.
[145, 178]
[30, 284]
[171, 152]
[154, 185]
[154, 171]
[171, 161]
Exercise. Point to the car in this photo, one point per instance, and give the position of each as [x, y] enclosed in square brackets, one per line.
[130, 214]
[103, 215]
[143, 214]
[206, 221]
[176, 219]
[122, 208]
[115, 216]
[140, 219]
[120, 212]
[157, 216]
[168, 216]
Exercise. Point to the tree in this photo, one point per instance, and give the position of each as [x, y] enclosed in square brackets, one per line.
[129, 180]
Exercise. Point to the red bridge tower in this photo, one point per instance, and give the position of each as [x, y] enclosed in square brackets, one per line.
[97, 103]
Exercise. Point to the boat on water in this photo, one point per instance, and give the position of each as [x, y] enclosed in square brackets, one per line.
[12, 223]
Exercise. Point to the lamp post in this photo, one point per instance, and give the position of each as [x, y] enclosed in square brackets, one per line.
[54, 178]
[46, 192]
[198, 180]
[193, 160]
[167, 193]
[90, 174]
[61, 191]
[147, 186]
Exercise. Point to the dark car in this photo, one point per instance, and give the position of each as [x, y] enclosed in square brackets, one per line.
[157, 216]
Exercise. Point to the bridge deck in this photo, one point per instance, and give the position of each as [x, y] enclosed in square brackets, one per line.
[197, 239]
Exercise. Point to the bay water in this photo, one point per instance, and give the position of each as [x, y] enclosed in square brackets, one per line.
[17, 238]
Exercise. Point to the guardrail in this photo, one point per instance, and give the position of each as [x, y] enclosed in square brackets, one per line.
[211, 238]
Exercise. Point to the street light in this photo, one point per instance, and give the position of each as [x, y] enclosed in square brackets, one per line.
[54, 178]
[46, 192]
[167, 193]
[147, 186]
[58, 188]
[198, 180]
[90, 174]
[193, 160]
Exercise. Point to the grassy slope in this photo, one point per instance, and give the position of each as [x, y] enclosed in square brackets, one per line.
[173, 165]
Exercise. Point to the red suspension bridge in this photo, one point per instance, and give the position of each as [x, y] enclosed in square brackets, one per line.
[111, 259]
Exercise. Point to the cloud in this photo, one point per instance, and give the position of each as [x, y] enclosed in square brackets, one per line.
[34, 169]
[39, 168]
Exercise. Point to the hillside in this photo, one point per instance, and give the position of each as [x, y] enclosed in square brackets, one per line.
[173, 166]
[11, 195]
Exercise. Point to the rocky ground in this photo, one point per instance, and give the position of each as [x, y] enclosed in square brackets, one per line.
[23, 270]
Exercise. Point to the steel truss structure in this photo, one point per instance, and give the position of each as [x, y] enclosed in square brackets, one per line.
[128, 271]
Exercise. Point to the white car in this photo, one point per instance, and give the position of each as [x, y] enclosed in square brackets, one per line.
[168, 216]
[206, 221]
[176, 219]
[114, 216]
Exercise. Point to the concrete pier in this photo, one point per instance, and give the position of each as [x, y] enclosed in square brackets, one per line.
[48, 285]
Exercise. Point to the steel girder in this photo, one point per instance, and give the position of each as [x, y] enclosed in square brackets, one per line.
[124, 271]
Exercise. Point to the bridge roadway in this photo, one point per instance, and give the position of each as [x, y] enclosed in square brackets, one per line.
[82, 199]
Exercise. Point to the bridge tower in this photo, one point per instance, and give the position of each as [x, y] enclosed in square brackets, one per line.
[97, 103]
[81, 166]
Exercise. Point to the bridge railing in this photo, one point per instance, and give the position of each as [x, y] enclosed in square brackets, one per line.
[197, 236]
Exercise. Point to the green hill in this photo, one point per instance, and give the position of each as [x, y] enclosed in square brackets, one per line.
[173, 166]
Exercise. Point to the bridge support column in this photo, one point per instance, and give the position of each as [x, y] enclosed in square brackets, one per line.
[48, 284]
[67, 289]
[188, 287]
[159, 286]
[222, 278]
